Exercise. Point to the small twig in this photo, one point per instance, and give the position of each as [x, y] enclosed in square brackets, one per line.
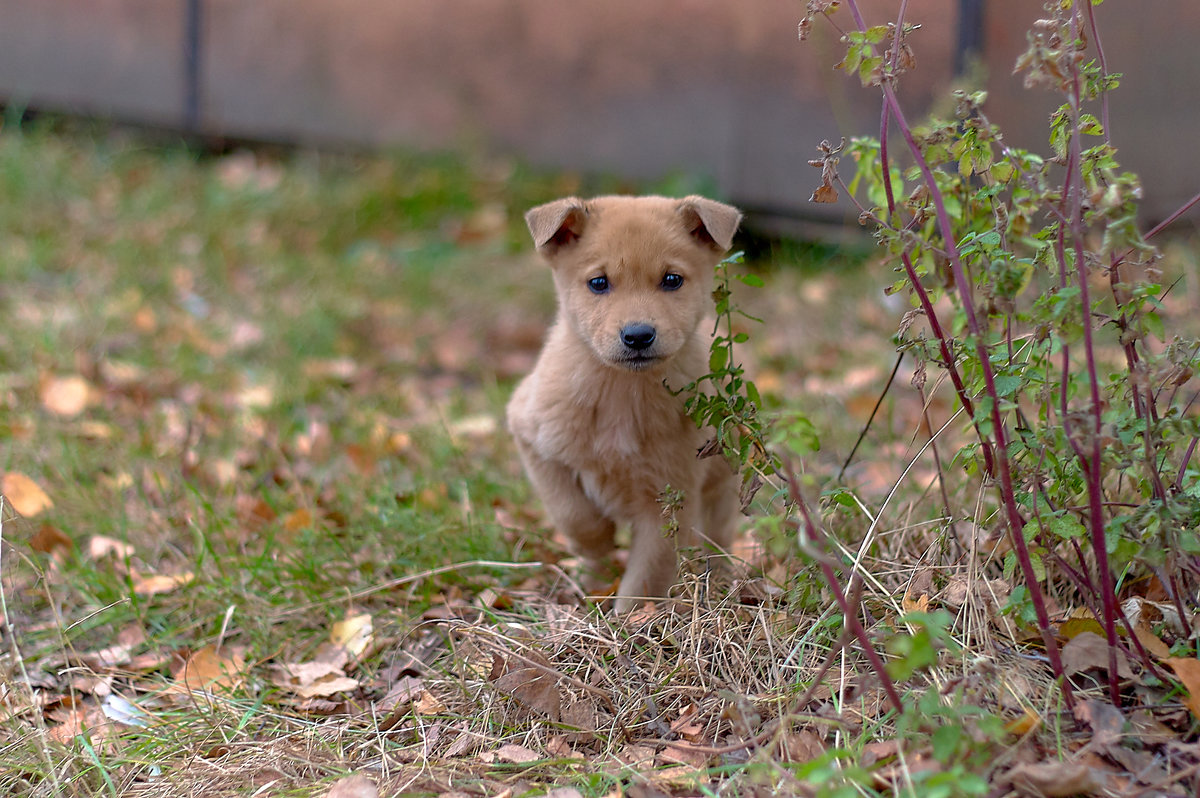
[891, 378]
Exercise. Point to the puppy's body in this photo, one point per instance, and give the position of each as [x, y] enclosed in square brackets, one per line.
[599, 432]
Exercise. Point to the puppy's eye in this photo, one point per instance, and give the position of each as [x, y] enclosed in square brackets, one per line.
[671, 281]
[599, 285]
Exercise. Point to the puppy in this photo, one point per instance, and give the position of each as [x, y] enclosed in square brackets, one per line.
[598, 430]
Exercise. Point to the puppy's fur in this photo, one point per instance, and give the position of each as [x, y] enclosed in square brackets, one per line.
[598, 431]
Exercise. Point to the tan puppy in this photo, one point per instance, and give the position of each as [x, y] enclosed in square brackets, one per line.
[598, 431]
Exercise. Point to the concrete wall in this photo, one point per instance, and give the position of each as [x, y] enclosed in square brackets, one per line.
[634, 87]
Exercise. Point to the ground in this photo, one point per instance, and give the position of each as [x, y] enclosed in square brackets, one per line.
[263, 528]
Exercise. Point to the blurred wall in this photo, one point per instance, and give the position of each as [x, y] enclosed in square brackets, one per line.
[626, 86]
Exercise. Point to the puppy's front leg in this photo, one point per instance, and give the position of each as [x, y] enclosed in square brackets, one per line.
[588, 531]
[653, 555]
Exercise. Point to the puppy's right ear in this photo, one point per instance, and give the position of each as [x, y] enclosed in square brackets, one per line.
[556, 224]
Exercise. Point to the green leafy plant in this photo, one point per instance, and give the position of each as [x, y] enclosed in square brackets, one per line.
[1078, 401]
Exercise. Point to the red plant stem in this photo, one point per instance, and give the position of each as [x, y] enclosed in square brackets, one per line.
[1073, 192]
[1007, 490]
[935, 324]
[817, 538]
[1091, 15]
[1158, 228]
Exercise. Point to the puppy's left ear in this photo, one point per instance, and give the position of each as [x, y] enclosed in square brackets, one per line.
[710, 222]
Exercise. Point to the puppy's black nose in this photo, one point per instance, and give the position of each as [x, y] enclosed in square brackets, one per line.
[638, 336]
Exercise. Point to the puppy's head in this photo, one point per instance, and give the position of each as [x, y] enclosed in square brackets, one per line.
[633, 274]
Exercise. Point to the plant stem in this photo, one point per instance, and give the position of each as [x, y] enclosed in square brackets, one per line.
[1007, 489]
[1073, 192]
[817, 538]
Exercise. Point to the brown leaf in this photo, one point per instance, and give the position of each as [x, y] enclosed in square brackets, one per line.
[1053, 779]
[802, 747]
[1088, 650]
[66, 396]
[824, 194]
[1105, 720]
[1187, 670]
[51, 540]
[25, 495]
[514, 754]
[401, 694]
[429, 704]
[312, 679]
[684, 753]
[211, 669]
[564, 792]
[534, 688]
[356, 786]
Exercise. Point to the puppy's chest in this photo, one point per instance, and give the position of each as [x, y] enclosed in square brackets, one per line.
[634, 433]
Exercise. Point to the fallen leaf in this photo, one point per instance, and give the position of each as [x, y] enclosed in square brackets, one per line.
[1073, 627]
[802, 747]
[312, 679]
[534, 688]
[123, 711]
[920, 604]
[100, 547]
[400, 695]
[356, 786]
[1187, 670]
[1105, 720]
[297, 520]
[160, 583]
[1088, 650]
[478, 426]
[51, 540]
[516, 754]
[428, 704]
[683, 753]
[327, 686]
[1154, 646]
[1024, 723]
[66, 396]
[210, 669]
[25, 495]
[353, 634]
[1053, 779]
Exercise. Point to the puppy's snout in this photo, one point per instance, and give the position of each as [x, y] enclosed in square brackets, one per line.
[638, 336]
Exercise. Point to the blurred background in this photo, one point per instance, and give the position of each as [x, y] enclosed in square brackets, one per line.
[622, 87]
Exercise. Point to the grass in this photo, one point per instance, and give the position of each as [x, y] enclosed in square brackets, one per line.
[294, 368]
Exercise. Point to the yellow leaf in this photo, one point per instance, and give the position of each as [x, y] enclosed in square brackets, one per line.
[1073, 627]
[1024, 724]
[160, 583]
[920, 604]
[25, 495]
[66, 396]
[353, 634]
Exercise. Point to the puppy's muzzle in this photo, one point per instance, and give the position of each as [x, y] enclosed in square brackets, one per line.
[638, 337]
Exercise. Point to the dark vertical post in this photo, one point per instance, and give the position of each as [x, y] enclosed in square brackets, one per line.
[192, 43]
[970, 33]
